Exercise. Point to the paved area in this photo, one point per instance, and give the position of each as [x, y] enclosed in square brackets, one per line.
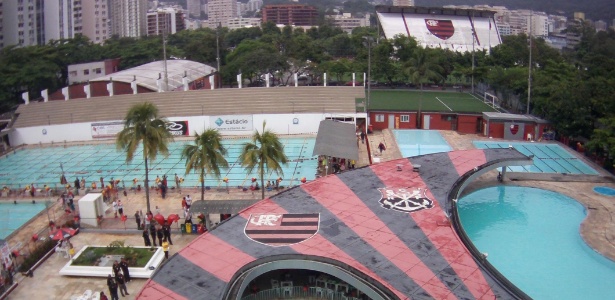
[598, 229]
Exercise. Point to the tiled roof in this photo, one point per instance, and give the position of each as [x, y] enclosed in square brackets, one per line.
[386, 223]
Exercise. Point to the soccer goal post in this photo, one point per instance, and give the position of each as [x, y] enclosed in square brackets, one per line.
[491, 100]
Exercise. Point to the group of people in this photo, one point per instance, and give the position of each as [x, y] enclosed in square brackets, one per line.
[337, 164]
[67, 199]
[121, 276]
[162, 185]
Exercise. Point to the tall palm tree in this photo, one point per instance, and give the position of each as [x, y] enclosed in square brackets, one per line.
[206, 156]
[142, 125]
[265, 151]
[422, 66]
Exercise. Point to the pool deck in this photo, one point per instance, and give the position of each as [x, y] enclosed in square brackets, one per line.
[598, 229]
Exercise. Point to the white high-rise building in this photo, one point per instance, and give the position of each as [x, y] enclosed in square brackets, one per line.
[95, 20]
[62, 19]
[128, 17]
[20, 24]
[254, 5]
[220, 12]
[194, 8]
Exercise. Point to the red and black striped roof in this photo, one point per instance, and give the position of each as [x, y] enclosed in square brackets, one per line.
[416, 255]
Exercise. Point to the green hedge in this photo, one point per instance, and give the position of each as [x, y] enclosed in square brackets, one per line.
[136, 257]
[37, 254]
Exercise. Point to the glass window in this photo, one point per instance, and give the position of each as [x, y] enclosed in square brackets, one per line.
[380, 118]
[404, 118]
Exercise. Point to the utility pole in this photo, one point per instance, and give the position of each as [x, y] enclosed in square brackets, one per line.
[529, 77]
[218, 53]
[369, 40]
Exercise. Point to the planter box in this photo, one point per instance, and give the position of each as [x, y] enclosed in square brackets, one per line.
[92, 271]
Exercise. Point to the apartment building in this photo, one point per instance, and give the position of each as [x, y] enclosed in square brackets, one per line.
[95, 22]
[128, 17]
[290, 14]
[220, 12]
[165, 20]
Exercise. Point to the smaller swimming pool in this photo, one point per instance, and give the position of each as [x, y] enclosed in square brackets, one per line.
[13, 216]
[413, 142]
[548, 158]
[605, 190]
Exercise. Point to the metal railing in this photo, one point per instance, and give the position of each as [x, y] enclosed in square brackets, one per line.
[298, 292]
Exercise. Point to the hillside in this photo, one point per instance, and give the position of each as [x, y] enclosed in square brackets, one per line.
[593, 9]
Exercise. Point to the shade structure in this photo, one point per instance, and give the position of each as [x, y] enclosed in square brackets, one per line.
[336, 139]
[173, 218]
[159, 218]
[63, 233]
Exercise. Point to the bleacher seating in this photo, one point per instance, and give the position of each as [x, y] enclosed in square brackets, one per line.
[461, 40]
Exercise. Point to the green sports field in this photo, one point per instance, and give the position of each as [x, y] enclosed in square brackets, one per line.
[409, 100]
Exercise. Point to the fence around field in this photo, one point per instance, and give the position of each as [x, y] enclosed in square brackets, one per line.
[299, 292]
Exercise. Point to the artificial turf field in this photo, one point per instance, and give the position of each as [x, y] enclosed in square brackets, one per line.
[408, 100]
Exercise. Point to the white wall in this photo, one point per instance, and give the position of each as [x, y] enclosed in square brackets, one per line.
[278, 123]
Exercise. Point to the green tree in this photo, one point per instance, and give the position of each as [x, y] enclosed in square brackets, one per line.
[206, 156]
[420, 68]
[143, 126]
[264, 152]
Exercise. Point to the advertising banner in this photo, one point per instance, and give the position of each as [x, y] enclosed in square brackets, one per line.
[178, 128]
[231, 123]
[107, 129]
[111, 129]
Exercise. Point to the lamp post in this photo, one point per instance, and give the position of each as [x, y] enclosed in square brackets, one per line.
[218, 52]
[529, 77]
[369, 40]
[164, 53]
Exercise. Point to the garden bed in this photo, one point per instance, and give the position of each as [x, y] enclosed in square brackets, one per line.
[96, 261]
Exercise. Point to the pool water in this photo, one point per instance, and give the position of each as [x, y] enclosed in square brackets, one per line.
[13, 216]
[532, 237]
[413, 142]
[43, 165]
[548, 158]
[604, 190]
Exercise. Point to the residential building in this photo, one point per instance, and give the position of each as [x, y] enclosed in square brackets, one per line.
[579, 15]
[62, 19]
[254, 5]
[128, 17]
[95, 20]
[21, 23]
[290, 14]
[220, 12]
[192, 24]
[347, 23]
[194, 8]
[79, 73]
[600, 25]
[165, 20]
[241, 22]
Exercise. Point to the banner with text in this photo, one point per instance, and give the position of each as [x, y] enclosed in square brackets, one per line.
[178, 128]
[106, 130]
[231, 123]
[111, 129]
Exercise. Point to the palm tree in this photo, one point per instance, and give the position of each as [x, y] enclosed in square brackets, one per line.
[265, 151]
[205, 156]
[142, 125]
[422, 66]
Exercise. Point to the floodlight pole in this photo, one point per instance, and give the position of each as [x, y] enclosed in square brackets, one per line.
[218, 53]
[369, 69]
[164, 53]
[473, 39]
[529, 77]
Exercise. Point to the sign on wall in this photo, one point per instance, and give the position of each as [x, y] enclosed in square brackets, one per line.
[106, 129]
[231, 123]
[111, 129]
[178, 128]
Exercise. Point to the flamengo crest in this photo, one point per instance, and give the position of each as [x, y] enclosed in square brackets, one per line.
[281, 229]
[405, 199]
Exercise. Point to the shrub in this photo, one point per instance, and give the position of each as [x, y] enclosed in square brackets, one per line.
[37, 254]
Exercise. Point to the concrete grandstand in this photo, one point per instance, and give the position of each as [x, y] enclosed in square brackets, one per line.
[444, 28]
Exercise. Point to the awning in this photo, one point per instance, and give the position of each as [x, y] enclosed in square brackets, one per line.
[336, 139]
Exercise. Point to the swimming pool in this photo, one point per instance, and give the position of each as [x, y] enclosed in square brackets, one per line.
[532, 237]
[413, 142]
[13, 216]
[42, 165]
[548, 158]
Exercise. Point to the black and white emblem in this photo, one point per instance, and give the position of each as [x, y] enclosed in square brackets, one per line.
[409, 199]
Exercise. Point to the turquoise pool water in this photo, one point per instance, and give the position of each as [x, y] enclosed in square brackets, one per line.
[532, 237]
[42, 165]
[605, 190]
[13, 216]
[548, 158]
[413, 142]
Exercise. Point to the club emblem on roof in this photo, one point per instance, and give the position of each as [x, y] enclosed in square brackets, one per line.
[443, 29]
[281, 229]
[405, 199]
